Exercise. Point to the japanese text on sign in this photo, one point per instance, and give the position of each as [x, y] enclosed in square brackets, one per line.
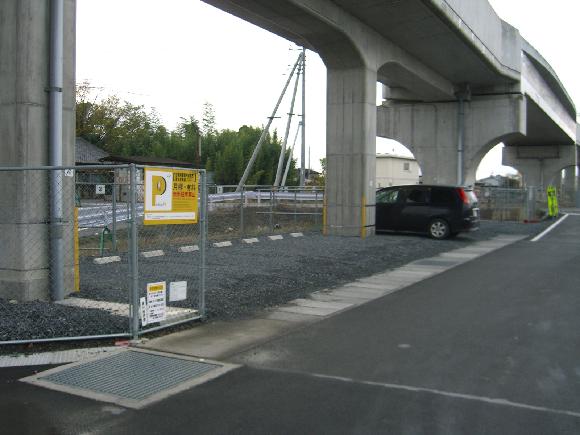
[171, 196]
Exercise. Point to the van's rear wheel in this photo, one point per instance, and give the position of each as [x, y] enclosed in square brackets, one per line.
[439, 229]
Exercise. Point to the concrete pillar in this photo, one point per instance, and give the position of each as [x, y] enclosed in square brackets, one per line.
[351, 151]
[24, 208]
[430, 131]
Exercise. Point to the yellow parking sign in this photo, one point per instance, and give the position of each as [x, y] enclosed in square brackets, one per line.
[171, 196]
[552, 201]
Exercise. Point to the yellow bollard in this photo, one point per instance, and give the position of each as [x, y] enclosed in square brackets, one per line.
[363, 213]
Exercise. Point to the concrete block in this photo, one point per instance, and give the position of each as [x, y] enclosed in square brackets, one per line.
[250, 241]
[107, 260]
[152, 254]
[191, 248]
[222, 244]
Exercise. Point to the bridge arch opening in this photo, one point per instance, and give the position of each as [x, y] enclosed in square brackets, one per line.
[396, 164]
[490, 169]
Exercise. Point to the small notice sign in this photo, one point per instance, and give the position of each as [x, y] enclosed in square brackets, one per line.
[177, 291]
[143, 311]
[100, 189]
[156, 302]
[171, 196]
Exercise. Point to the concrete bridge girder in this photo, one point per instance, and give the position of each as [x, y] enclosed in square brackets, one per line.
[430, 131]
[540, 165]
[552, 118]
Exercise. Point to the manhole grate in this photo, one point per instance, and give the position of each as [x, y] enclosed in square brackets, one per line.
[132, 378]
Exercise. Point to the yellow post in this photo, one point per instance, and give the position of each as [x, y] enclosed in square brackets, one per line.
[76, 251]
[552, 196]
[363, 214]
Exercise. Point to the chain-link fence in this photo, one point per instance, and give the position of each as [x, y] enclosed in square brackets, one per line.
[261, 210]
[503, 204]
[77, 260]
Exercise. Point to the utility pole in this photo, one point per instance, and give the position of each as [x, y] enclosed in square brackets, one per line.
[303, 149]
[198, 149]
[309, 167]
[288, 124]
[290, 157]
[265, 131]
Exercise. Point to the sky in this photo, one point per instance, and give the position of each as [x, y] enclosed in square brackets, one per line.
[176, 55]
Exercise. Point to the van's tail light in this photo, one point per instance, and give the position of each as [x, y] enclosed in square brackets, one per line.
[463, 195]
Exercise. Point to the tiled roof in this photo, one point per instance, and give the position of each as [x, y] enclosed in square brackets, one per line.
[144, 160]
[87, 153]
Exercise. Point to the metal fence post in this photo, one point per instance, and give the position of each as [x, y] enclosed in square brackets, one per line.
[295, 206]
[271, 211]
[114, 217]
[203, 242]
[242, 211]
[316, 208]
[133, 251]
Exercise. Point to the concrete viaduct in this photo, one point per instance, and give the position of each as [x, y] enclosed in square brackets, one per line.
[457, 80]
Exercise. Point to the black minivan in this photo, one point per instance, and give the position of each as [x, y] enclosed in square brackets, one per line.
[440, 211]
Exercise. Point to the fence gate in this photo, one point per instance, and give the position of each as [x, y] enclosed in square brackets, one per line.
[78, 255]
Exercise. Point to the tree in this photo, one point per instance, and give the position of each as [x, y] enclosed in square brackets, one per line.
[320, 180]
[125, 129]
[117, 127]
[208, 120]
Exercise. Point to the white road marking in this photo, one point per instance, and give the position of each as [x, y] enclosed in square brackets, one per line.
[550, 228]
[470, 397]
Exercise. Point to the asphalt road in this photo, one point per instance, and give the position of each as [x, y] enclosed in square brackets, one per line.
[489, 347]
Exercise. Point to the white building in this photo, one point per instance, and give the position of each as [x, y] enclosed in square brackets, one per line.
[394, 170]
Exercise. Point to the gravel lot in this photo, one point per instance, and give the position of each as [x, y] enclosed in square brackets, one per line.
[240, 279]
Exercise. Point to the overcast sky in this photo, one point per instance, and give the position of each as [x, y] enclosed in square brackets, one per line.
[177, 54]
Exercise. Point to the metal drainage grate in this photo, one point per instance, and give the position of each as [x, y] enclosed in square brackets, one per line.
[132, 378]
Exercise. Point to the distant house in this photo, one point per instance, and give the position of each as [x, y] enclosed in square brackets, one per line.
[395, 170]
[510, 181]
[112, 178]
[88, 154]
[310, 176]
[87, 179]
